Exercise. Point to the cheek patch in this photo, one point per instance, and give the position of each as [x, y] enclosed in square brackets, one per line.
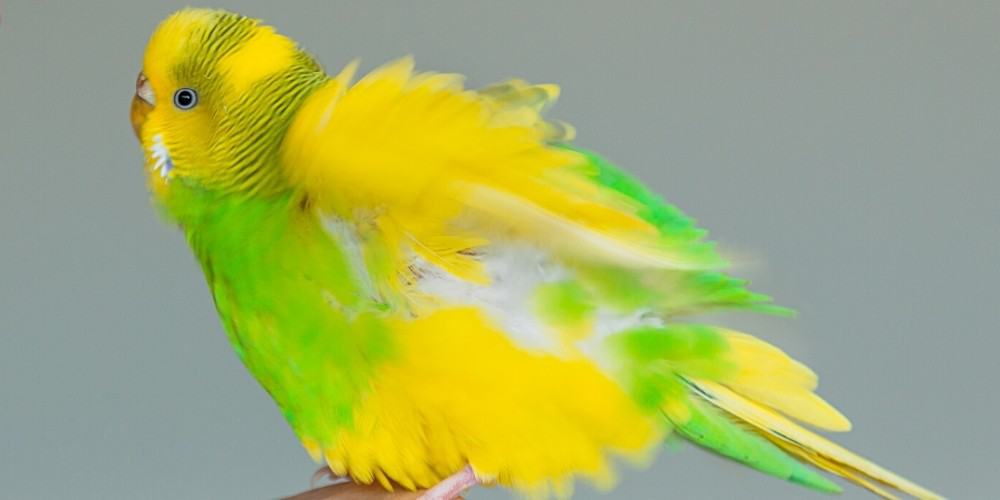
[162, 163]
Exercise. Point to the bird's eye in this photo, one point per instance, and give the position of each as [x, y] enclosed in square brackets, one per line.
[185, 98]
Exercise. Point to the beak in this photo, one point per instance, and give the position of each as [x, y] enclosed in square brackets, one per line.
[142, 103]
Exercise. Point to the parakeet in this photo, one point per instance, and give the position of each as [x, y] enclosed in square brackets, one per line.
[439, 289]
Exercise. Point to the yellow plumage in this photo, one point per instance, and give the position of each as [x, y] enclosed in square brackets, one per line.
[425, 151]
[509, 415]
[768, 376]
[449, 224]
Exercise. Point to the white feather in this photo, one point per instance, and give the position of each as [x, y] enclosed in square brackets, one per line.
[516, 271]
[346, 237]
[162, 162]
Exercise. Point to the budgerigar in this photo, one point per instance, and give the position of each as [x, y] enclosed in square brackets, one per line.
[439, 289]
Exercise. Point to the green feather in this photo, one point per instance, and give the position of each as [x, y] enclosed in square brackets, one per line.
[672, 292]
[710, 428]
[284, 291]
[564, 303]
[658, 360]
[655, 357]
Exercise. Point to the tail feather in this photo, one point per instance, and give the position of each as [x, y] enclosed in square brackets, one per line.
[712, 428]
[807, 445]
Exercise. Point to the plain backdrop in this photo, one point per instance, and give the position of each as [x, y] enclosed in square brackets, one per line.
[846, 152]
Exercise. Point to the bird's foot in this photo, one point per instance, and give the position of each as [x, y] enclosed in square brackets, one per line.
[453, 486]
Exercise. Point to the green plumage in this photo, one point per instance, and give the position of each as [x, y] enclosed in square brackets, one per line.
[283, 289]
[659, 355]
[673, 293]
[661, 361]
[710, 428]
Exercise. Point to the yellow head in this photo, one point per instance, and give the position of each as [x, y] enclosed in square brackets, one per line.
[214, 98]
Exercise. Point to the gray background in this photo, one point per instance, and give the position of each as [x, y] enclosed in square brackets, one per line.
[847, 150]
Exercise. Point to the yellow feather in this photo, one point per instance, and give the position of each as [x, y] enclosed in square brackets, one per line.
[447, 252]
[769, 376]
[432, 412]
[423, 151]
[167, 45]
[263, 55]
[809, 446]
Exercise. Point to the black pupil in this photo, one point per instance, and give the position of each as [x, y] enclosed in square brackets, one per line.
[185, 98]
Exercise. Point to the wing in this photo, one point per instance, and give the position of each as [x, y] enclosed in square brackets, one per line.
[441, 170]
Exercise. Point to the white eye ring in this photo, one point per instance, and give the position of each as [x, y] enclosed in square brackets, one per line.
[185, 98]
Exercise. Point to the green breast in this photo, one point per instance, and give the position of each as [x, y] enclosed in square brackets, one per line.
[289, 303]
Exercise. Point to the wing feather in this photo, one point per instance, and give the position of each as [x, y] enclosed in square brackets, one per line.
[440, 161]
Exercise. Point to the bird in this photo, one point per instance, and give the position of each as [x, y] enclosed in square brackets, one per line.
[440, 289]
